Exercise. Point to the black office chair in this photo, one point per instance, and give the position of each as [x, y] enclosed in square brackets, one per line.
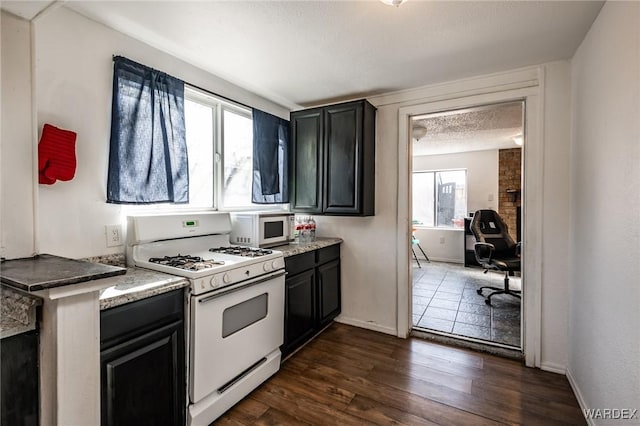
[495, 250]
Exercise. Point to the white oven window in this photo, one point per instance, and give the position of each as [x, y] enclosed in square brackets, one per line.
[242, 315]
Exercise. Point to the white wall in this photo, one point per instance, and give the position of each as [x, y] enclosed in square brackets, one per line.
[16, 149]
[74, 73]
[555, 214]
[604, 318]
[482, 184]
[369, 267]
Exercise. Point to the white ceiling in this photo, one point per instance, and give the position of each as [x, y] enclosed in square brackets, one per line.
[303, 53]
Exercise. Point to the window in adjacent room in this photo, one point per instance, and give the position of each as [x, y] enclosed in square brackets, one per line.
[440, 198]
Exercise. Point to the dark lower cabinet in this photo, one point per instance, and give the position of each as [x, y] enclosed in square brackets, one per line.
[19, 388]
[312, 295]
[300, 311]
[328, 292]
[142, 362]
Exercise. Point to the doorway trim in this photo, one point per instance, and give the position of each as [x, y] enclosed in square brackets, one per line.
[532, 157]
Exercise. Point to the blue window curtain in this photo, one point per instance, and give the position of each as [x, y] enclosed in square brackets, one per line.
[148, 150]
[270, 159]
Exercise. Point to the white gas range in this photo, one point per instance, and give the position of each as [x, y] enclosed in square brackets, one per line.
[235, 311]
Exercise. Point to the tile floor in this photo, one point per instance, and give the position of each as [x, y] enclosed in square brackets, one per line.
[445, 299]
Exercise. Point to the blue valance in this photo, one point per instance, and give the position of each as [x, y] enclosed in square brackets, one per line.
[148, 151]
[270, 154]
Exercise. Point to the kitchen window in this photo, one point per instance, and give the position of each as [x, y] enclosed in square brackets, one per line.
[219, 137]
[440, 198]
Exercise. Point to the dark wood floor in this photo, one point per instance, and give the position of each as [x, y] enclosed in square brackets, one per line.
[351, 376]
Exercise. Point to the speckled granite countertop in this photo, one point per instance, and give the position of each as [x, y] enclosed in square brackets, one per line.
[139, 284]
[321, 242]
[17, 311]
[48, 271]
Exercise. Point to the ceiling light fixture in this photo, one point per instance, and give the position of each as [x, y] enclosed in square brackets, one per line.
[395, 3]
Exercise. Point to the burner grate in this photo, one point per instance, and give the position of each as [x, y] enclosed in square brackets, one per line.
[242, 251]
[191, 263]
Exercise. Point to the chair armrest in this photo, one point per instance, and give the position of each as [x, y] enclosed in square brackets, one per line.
[483, 252]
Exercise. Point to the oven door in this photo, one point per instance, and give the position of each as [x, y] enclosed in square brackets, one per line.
[232, 331]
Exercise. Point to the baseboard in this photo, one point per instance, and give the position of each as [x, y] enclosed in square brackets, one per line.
[553, 368]
[367, 325]
[576, 391]
[439, 259]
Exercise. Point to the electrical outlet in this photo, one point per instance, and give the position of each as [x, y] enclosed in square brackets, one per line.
[441, 240]
[114, 235]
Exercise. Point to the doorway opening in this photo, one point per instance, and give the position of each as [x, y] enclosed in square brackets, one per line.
[464, 161]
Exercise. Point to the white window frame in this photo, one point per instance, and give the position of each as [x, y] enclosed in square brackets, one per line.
[435, 197]
[218, 106]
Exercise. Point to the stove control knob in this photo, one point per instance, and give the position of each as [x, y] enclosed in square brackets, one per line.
[266, 267]
[226, 278]
[277, 264]
[214, 282]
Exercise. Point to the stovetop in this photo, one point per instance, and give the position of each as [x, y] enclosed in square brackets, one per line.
[196, 246]
[208, 266]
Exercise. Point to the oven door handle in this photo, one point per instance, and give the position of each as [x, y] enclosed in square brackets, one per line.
[242, 286]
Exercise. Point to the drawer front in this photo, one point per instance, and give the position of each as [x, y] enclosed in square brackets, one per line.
[327, 254]
[300, 262]
[131, 319]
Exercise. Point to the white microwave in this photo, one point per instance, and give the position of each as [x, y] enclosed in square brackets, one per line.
[262, 229]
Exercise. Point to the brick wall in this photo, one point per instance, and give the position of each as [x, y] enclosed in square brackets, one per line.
[509, 179]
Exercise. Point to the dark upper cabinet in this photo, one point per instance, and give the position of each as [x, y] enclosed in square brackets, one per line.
[333, 159]
[306, 161]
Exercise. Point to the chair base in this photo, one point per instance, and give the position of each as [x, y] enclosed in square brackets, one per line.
[416, 257]
[498, 290]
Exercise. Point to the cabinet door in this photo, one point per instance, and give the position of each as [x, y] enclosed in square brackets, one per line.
[306, 161]
[299, 311]
[343, 150]
[19, 380]
[143, 380]
[328, 291]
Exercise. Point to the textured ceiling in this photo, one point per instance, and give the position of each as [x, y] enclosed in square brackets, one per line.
[472, 129]
[302, 53]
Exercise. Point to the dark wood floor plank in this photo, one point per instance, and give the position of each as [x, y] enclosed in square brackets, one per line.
[247, 411]
[497, 411]
[340, 359]
[302, 408]
[428, 374]
[274, 417]
[320, 391]
[402, 400]
[383, 414]
[352, 376]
